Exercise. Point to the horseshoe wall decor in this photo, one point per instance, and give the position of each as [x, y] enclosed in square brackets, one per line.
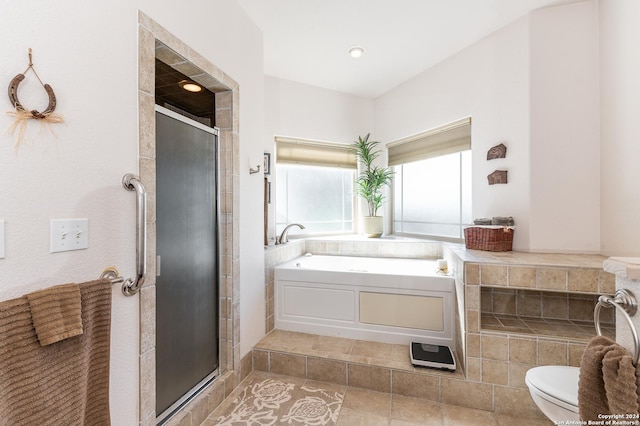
[13, 93]
[13, 97]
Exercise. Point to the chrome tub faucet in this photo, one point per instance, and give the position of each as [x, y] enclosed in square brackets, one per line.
[283, 239]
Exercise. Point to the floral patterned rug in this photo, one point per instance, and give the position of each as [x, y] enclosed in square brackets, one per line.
[275, 402]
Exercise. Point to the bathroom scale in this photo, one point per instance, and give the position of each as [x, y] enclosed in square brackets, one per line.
[434, 356]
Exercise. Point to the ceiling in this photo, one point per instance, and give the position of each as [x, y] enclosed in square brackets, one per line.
[307, 40]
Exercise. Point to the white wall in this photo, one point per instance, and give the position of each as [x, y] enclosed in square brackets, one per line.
[303, 111]
[88, 52]
[488, 81]
[619, 112]
[514, 84]
[564, 124]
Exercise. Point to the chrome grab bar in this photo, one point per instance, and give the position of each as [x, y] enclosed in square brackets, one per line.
[132, 183]
[625, 302]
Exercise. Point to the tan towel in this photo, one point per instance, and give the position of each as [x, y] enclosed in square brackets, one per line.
[619, 376]
[55, 313]
[65, 383]
[607, 383]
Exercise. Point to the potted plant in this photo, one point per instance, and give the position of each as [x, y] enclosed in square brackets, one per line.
[370, 182]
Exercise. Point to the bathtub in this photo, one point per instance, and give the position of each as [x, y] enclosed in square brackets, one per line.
[380, 299]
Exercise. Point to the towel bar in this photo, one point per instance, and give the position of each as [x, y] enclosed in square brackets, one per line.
[112, 274]
[625, 302]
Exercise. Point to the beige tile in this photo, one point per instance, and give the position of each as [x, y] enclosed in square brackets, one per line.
[350, 417]
[246, 365]
[147, 382]
[199, 409]
[471, 274]
[415, 385]
[473, 323]
[551, 279]
[585, 280]
[325, 370]
[416, 410]
[367, 377]
[486, 300]
[517, 374]
[522, 276]
[493, 275]
[555, 306]
[504, 302]
[216, 395]
[507, 420]
[333, 345]
[472, 297]
[372, 349]
[494, 347]
[473, 344]
[363, 400]
[529, 303]
[288, 365]
[474, 369]
[181, 419]
[581, 309]
[476, 395]
[523, 350]
[552, 352]
[575, 353]
[462, 416]
[510, 401]
[606, 283]
[496, 372]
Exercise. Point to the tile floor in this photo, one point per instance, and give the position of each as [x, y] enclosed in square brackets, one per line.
[369, 408]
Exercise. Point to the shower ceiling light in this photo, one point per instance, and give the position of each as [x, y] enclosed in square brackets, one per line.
[356, 51]
[190, 86]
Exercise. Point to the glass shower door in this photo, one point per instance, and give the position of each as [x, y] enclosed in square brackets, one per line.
[187, 248]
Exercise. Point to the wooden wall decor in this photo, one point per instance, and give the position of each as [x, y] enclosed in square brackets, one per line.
[498, 176]
[498, 151]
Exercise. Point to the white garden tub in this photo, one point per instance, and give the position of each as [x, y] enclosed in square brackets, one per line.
[380, 299]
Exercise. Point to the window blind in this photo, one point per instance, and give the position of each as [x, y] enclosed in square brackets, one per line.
[314, 153]
[453, 137]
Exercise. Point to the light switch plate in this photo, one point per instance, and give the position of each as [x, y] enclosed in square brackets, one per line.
[1, 239]
[69, 234]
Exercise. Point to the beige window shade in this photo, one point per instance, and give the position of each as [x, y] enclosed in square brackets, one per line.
[453, 137]
[314, 153]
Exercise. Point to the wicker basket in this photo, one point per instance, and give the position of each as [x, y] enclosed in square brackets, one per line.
[489, 238]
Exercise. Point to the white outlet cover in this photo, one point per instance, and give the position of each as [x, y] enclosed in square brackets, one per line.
[2, 239]
[69, 234]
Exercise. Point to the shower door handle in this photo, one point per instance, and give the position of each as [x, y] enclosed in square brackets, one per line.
[132, 183]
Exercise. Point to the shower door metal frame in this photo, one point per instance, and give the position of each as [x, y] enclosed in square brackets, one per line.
[175, 407]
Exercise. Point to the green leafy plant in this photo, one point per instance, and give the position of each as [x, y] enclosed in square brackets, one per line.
[372, 179]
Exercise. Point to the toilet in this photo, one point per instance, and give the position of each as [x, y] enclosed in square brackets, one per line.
[554, 389]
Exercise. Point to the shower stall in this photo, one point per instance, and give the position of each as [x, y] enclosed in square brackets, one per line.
[187, 245]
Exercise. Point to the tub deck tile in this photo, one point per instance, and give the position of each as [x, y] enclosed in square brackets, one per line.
[359, 352]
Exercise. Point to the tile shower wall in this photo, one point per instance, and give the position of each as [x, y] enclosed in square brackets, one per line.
[155, 41]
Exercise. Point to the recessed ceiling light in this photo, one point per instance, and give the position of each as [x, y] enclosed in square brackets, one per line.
[356, 51]
[190, 86]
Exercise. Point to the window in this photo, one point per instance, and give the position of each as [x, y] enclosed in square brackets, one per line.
[314, 186]
[320, 198]
[432, 182]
